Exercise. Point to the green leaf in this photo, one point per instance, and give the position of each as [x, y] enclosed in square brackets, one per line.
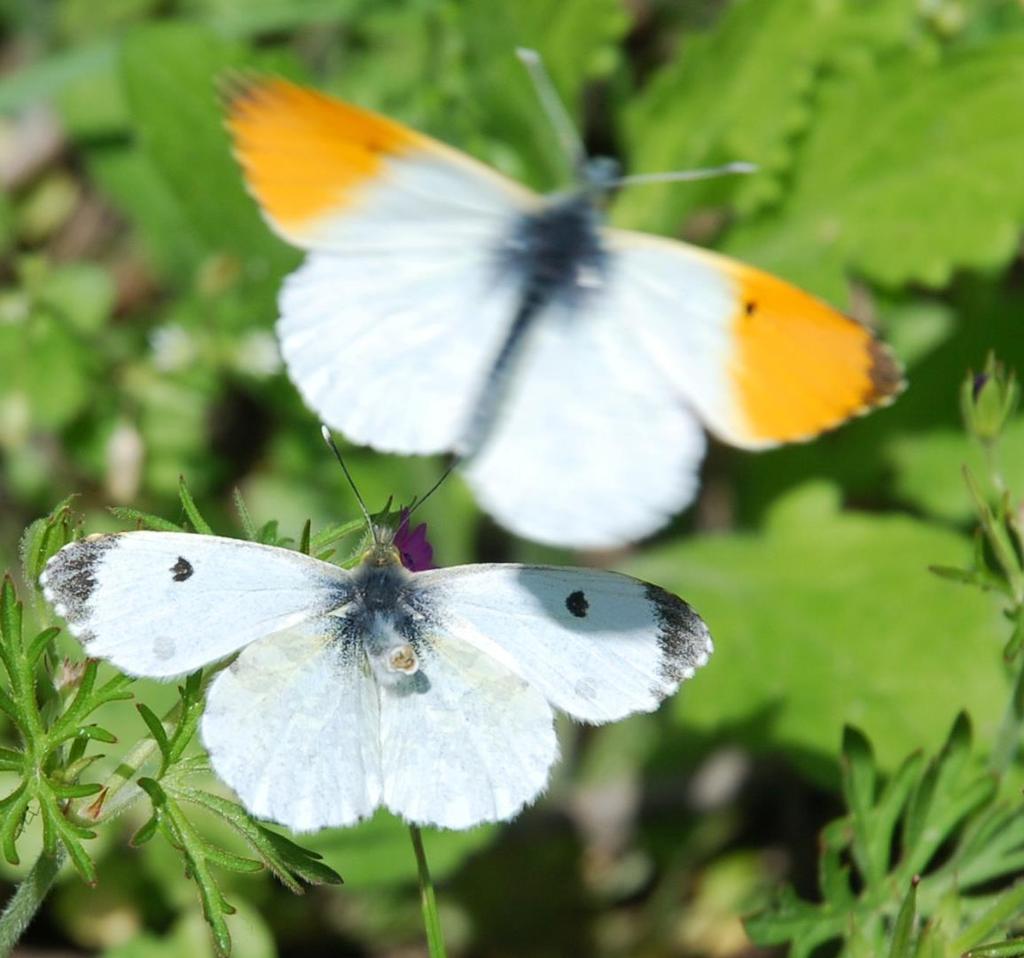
[859, 791]
[901, 946]
[44, 537]
[177, 829]
[826, 617]
[948, 805]
[879, 153]
[928, 466]
[243, 514]
[728, 100]
[81, 294]
[327, 537]
[156, 730]
[43, 359]
[191, 510]
[170, 73]
[145, 520]
[286, 860]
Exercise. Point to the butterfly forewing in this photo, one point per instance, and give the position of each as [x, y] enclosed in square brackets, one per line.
[162, 604]
[760, 361]
[332, 176]
[597, 645]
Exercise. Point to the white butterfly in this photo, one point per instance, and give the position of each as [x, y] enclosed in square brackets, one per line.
[444, 307]
[429, 693]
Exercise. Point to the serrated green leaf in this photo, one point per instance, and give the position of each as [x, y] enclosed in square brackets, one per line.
[728, 100]
[912, 658]
[170, 73]
[879, 153]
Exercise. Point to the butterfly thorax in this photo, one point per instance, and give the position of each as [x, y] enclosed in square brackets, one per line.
[556, 252]
[387, 615]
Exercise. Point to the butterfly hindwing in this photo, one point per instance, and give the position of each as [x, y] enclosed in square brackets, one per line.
[589, 446]
[464, 740]
[292, 725]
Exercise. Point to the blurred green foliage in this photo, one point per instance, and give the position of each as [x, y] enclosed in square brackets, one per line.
[136, 310]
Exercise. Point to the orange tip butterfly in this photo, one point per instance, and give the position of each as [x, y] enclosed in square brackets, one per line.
[428, 691]
[572, 367]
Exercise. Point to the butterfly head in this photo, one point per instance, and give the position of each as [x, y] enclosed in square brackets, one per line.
[392, 542]
[601, 174]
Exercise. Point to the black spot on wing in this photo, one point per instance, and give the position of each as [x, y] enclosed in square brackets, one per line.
[682, 635]
[181, 570]
[576, 602]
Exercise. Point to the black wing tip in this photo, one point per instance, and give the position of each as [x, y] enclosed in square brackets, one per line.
[683, 635]
[69, 579]
[238, 88]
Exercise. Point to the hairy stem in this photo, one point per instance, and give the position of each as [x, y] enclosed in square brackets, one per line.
[431, 920]
[28, 896]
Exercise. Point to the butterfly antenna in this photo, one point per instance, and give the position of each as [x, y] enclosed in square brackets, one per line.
[684, 176]
[551, 103]
[333, 446]
[416, 503]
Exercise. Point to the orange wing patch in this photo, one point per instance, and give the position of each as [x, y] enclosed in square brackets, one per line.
[799, 366]
[306, 154]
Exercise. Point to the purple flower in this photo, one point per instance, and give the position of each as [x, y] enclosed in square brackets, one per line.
[416, 552]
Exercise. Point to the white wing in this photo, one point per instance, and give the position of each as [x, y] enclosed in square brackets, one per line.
[464, 740]
[591, 447]
[292, 726]
[391, 326]
[760, 361]
[393, 346]
[161, 603]
[597, 645]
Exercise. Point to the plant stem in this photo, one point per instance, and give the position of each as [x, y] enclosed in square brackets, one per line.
[28, 896]
[129, 767]
[431, 920]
